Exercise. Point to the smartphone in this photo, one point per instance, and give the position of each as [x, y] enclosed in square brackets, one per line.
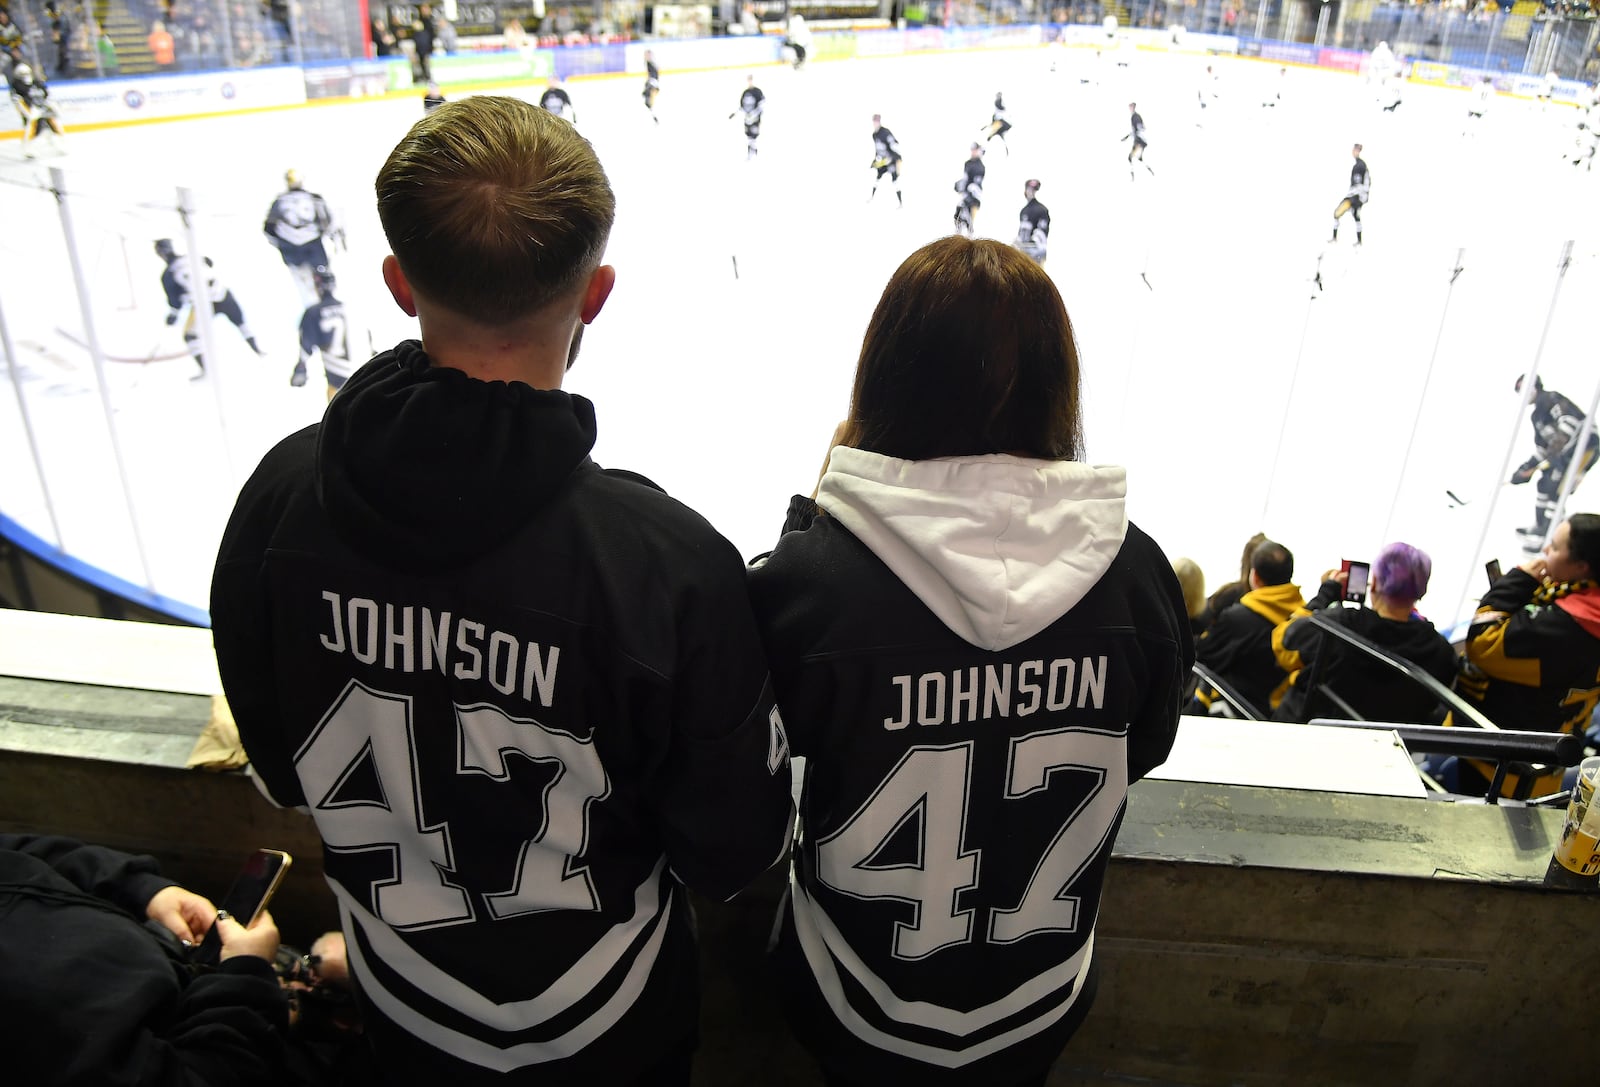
[1492, 568]
[251, 891]
[1355, 588]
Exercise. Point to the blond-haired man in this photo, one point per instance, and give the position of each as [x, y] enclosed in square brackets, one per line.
[522, 696]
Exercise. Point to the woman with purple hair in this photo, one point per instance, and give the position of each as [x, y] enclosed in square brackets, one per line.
[1375, 691]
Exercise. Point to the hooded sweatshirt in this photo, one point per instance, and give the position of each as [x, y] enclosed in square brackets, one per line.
[1533, 660]
[1375, 691]
[977, 655]
[1239, 644]
[514, 690]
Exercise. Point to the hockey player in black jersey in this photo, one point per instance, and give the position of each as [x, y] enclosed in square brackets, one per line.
[1557, 422]
[432, 98]
[325, 330]
[297, 225]
[32, 99]
[652, 85]
[522, 696]
[1136, 132]
[1359, 193]
[970, 186]
[1033, 225]
[885, 158]
[178, 283]
[998, 125]
[556, 100]
[752, 103]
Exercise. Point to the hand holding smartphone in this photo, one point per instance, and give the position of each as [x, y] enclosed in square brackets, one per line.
[246, 899]
[1355, 581]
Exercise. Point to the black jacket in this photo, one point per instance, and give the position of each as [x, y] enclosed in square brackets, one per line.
[519, 694]
[93, 996]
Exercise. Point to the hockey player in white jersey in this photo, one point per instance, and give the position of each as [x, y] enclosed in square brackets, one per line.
[556, 100]
[1482, 96]
[296, 226]
[178, 283]
[1588, 137]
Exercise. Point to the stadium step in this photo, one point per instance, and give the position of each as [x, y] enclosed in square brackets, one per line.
[129, 34]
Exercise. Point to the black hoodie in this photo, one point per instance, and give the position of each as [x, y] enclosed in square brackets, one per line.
[519, 693]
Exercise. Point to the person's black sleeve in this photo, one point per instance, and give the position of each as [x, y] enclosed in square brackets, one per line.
[725, 807]
[241, 627]
[125, 880]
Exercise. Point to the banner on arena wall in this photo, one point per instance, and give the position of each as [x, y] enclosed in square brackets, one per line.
[891, 43]
[589, 60]
[350, 79]
[833, 45]
[1291, 52]
[111, 100]
[507, 64]
[1344, 60]
[690, 54]
[1212, 43]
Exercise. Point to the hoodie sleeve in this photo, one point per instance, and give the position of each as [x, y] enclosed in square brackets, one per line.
[1171, 650]
[725, 806]
[126, 880]
[1508, 637]
[242, 630]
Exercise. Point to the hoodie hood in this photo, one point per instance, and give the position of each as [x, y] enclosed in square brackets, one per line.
[1274, 603]
[1584, 607]
[423, 467]
[997, 546]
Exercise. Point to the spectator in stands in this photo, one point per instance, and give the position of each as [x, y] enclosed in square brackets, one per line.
[571, 714]
[61, 36]
[1238, 646]
[93, 994]
[422, 38]
[1376, 692]
[161, 45]
[106, 50]
[10, 33]
[383, 43]
[1533, 651]
[955, 536]
[1230, 593]
[1193, 581]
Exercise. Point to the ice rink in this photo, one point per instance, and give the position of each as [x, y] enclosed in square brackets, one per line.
[1240, 396]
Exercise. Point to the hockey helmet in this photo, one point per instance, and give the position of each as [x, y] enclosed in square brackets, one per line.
[1538, 383]
[323, 279]
[1030, 186]
[291, 178]
[165, 251]
[23, 73]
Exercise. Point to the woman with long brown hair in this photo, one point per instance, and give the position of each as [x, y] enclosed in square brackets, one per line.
[976, 652]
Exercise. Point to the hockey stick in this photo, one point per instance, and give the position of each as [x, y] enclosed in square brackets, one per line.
[152, 357]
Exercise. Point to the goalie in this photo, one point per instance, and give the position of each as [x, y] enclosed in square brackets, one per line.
[32, 99]
[885, 159]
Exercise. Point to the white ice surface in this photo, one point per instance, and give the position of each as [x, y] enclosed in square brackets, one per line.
[725, 390]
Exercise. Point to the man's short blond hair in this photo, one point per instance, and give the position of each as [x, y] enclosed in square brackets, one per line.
[494, 207]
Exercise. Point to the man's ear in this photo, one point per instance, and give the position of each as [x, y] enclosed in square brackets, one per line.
[596, 293]
[398, 286]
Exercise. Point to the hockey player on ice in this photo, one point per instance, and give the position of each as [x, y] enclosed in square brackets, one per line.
[652, 85]
[32, 99]
[1360, 193]
[1207, 91]
[970, 186]
[296, 225]
[885, 159]
[1381, 64]
[556, 100]
[998, 125]
[1275, 99]
[1482, 95]
[1547, 89]
[1033, 224]
[1137, 134]
[324, 329]
[1588, 137]
[752, 103]
[177, 281]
